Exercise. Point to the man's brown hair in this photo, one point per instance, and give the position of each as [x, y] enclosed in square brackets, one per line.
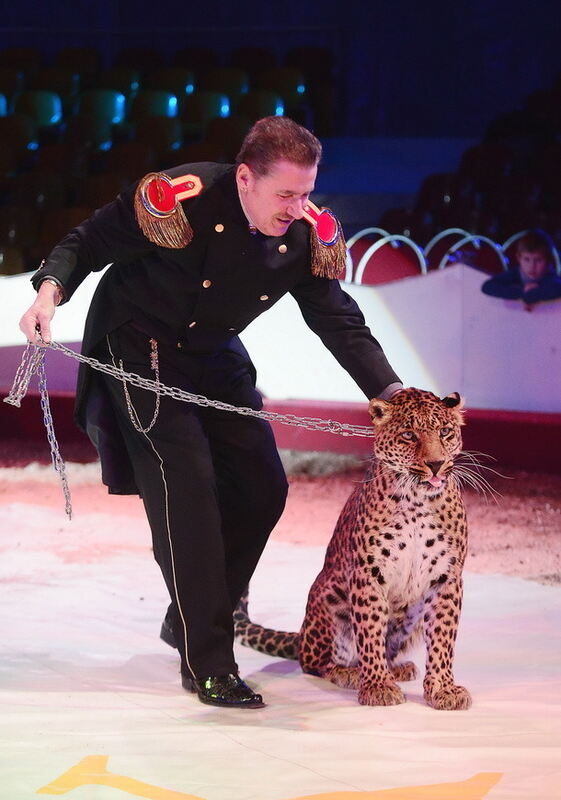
[273, 139]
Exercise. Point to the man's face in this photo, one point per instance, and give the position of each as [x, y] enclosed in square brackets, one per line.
[533, 266]
[273, 201]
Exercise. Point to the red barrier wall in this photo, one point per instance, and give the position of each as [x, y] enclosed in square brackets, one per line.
[524, 440]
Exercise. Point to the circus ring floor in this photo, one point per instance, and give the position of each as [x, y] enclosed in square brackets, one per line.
[92, 707]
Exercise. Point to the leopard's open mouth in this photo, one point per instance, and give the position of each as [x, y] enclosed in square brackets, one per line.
[433, 482]
[436, 480]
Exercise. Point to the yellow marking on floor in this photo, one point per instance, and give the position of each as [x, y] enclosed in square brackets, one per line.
[474, 788]
[92, 771]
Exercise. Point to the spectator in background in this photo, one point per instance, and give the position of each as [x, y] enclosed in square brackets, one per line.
[532, 278]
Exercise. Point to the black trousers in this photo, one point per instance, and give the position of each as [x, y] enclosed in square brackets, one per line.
[211, 482]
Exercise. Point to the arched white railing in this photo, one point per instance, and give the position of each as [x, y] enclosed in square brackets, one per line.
[394, 240]
[423, 254]
[476, 240]
[435, 239]
[366, 232]
[356, 237]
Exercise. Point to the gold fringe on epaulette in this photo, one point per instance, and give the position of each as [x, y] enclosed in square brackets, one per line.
[328, 260]
[173, 231]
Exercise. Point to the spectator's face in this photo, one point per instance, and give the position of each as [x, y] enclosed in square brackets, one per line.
[273, 201]
[533, 266]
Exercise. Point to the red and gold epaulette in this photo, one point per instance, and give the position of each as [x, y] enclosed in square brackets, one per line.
[158, 211]
[329, 252]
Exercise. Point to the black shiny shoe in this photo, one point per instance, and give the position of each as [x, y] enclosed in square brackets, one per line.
[226, 691]
[166, 633]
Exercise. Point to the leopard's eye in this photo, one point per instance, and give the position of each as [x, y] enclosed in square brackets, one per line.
[446, 431]
[409, 436]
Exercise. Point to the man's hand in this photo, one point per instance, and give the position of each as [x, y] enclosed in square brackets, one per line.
[37, 319]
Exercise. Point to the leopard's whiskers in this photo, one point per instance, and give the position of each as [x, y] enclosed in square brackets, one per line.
[468, 468]
[463, 475]
[370, 470]
[474, 458]
[478, 454]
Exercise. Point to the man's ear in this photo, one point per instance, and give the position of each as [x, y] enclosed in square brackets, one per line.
[243, 176]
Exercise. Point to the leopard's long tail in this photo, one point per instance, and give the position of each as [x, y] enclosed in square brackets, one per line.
[266, 640]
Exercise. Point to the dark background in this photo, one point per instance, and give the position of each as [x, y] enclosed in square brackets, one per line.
[402, 68]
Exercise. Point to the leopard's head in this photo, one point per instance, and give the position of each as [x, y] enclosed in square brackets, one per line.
[418, 436]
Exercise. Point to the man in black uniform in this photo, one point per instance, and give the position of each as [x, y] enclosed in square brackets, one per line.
[196, 254]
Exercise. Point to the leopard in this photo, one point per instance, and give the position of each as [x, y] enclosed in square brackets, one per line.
[393, 569]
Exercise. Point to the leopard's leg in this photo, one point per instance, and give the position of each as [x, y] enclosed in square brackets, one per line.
[326, 641]
[401, 631]
[316, 633]
[440, 627]
[370, 613]
[343, 671]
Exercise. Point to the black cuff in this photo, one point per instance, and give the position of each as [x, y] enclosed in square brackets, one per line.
[390, 390]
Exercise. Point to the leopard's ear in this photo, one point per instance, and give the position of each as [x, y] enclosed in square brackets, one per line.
[379, 410]
[454, 400]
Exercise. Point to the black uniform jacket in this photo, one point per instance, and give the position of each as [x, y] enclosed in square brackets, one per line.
[204, 294]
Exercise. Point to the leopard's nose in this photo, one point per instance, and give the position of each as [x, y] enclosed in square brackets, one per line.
[434, 466]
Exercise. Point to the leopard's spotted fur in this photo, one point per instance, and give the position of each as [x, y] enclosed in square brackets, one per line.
[393, 568]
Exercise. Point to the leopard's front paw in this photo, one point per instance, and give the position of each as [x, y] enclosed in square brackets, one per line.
[449, 698]
[404, 672]
[386, 693]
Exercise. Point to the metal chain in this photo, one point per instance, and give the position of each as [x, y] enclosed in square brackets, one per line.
[33, 363]
[28, 367]
[155, 367]
[56, 458]
[308, 423]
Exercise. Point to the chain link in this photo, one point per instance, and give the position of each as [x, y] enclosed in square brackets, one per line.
[56, 458]
[154, 365]
[28, 367]
[308, 423]
[33, 363]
